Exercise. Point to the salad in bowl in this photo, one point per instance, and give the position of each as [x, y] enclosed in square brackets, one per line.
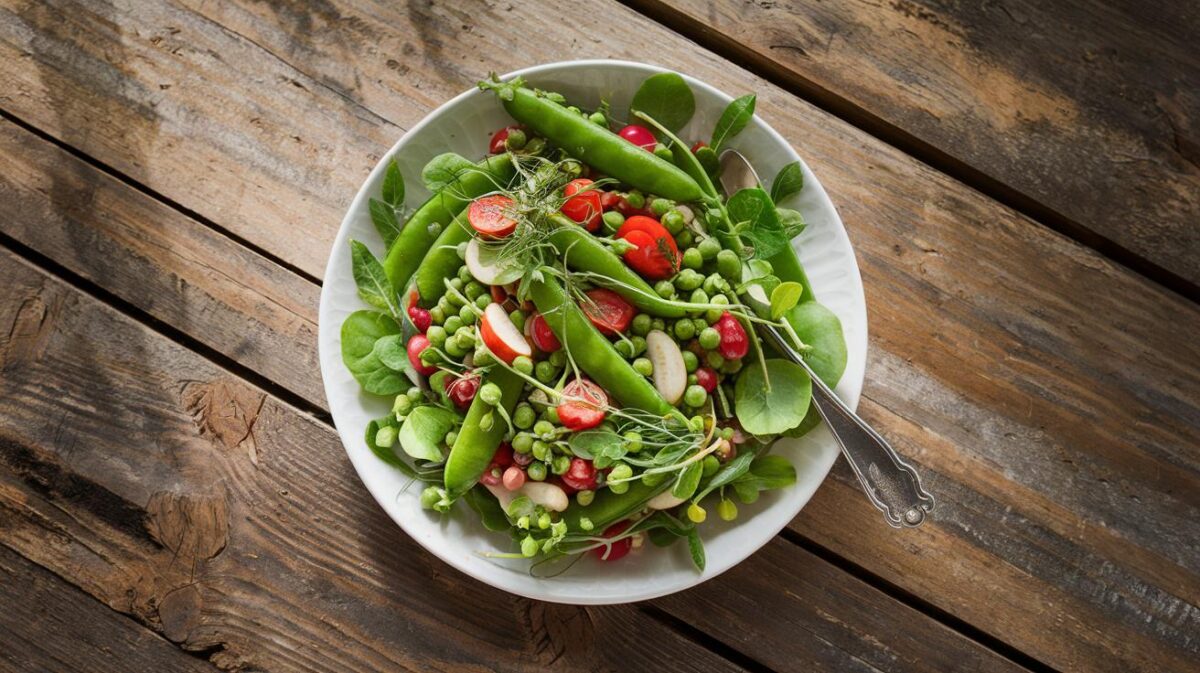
[565, 329]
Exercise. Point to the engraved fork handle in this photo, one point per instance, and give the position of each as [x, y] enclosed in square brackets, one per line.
[892, 484]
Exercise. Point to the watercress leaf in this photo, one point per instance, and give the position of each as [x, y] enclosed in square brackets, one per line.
[391, 352]
[360, 331]
[373, 284]
[821, 331]
[792, 221]
[784, 297]
[387, 455]
[688, 480]
[764, 230]
[423, 431]
[383, 216]
[443, 170]
[771, 405]
[489, 509]
[727, 474]
[696, 548]
[789, 180]
[590, 443]
[393, 185]
[769, 472]
[733, 119]
[667, 98]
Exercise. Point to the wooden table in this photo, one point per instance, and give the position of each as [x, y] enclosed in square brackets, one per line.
[1022, 187]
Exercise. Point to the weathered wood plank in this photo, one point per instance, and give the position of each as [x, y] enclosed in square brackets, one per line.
[1036, 381]
[48, 625]
[201, 506]
[1086, 108]
[168, 265]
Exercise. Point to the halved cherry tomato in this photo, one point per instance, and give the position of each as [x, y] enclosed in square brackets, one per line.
[500, 460]
[541, 335]
[734, 342]
[617, 549]
[587, 409]
[707, 378]
[608, 311]
[420, 318]
[656, 256]
[416, 344]
[640, 136]
[496, 146]
[698, 145]
[585, 208]
[487, 216]
[581, 476]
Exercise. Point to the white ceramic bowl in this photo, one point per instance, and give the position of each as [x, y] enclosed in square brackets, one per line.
[464, 125]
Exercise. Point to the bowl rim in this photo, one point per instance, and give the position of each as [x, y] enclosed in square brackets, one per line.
[849, 387]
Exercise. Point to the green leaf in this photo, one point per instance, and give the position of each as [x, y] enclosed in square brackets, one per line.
[688, 480]
[792, 221]
[696, 548]
[784, 297]
[789, 180]
[443, 170]
[488, 508]
[667, 98]
[661, 537]
[728, 473]
[387, 455]
[762, 227]
[360, 331]
[373, 284]
[393, 185]
[708, 158]
[423, 432]
[746, 492]
[733, 119]
[391, 352]
[383, 217]
[769, 472]
[769, 406]
[599, 446]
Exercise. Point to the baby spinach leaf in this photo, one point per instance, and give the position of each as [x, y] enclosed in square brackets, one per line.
[360, 331]
[391, 352]
[758, 222]
[443, 170]
[769, 472]
[373, 284]
[423, 430]
[769, 406]
[383, 216]
[688, 480]
[728, 473]
[667, 98]
[696, 548]
[746, 492]
[784, 297]
[789, 180]
[792, 221]
[733, 119]
[387, 455]
[488, 509]
[393, 185]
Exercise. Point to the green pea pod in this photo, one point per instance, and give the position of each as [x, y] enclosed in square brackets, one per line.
[442, 260]
[583, 252]
[415, 239]
[787, 266]
[592, 352]
[608, 508]
[595, 145]
[474, 448]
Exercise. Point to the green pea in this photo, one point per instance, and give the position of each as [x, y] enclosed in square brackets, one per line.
[536, 471]
[453, 323]
[451, 437]
[714, 359]
[585, 498]
[641, 324]
[714, 314]
[483, 357]
[464, 274]
[673, 221]
[643, 366]
[465, 340]
[695, 396]
[692, 379]
[522, 442]
[535, 145]
[731, 367]
[543, 521]
[475, 288]
[385, 437]
[560, 465]
[712, 284]
[660, 207]
[729, 266]
[639, 344]
[437, 315]
[529, 546]
[699, 324]
[696, 423]
[467, 315]
[690, 361]
[684, 329]
[665, 289]
[709, 248]
[482, 301]
[633, 441]
[658, 324]
[430, 497]
[545, 372]
[516, 139]
[486, 421]
[518, 319]
[550, 414]
[434, 229]
[490, 394]
[635, 200]
[453, 349]
[619, 472]
[710, 465]
[709, 338]
[692, 259]
[624, 348]
[688, 280]
[574, 110]
[461, 251]
[727, 510]
[598, 119]
[559, 358]
[429, 356]
[663, 152]
[446, 307]
[727, 432]
[685, 238]
[402, 405]
[457, 284]
[585, 524]
[436, 335]
[612, 221]
[523, 364]
[541, 450]
[544, 429]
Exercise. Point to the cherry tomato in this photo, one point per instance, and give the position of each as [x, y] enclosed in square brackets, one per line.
[627, 210]
[608, 311]
[707, 378]
[587, 411]
[581, 476]
[420, 318]
[461, 389]
[416, 344]
[541, 335]
[496, 146]
[487, 216]
[609, 200]
[640, 136]
[618, 549]
[656, 256]
[698, 145]
[734, 342]
[584, 208]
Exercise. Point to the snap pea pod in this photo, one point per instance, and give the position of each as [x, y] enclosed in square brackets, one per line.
[608, 508]
[583, 252]
[442, 260]
[592, 352]
[787, 267]
[415, 238]
[474, 448]
[595, 145]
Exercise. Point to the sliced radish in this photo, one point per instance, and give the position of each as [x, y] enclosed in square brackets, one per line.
[664, 500]
[486, 266]
[541, 493]
[501, 336]
[670, 374]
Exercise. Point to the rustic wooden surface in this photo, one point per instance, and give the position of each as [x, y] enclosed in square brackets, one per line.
[155, 170]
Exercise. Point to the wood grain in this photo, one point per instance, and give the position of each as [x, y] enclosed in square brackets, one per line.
[1087, 108]
[48, 625]
[233, 525]
[1046, 391]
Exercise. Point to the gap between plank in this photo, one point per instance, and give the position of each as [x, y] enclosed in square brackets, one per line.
[897, 137]
[702, 639]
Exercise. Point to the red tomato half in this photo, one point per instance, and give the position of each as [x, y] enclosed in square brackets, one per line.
[496, 146]
[587, 410]
[608, 311]
[617, 549]
[487, 215]
[585, 208]
[656, 256]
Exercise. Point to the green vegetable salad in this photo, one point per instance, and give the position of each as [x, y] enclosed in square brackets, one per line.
[566, 327]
